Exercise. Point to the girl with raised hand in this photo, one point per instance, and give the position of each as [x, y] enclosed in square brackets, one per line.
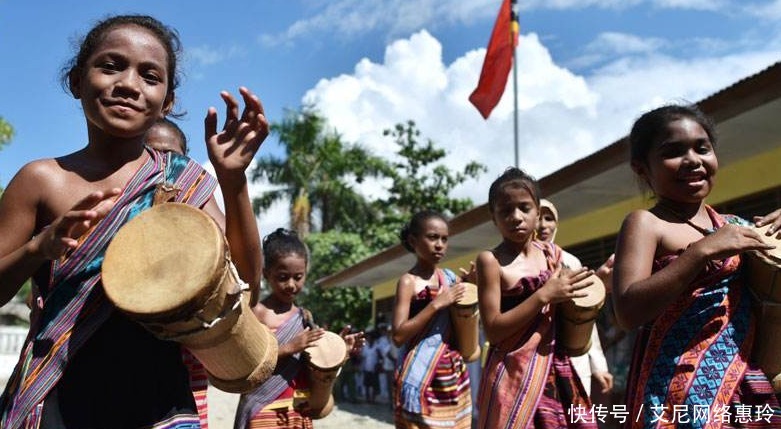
[84, 364]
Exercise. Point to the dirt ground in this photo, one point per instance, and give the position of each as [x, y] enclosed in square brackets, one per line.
[222, 407]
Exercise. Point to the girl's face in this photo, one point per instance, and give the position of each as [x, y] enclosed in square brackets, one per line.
[286, 277]
[431, 244]
[547, 225]
[123, 87]
[681, 166]
[516, 214]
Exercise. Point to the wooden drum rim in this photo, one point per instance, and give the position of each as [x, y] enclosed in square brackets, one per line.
[328, 353]
[469, 299]
[143, 274]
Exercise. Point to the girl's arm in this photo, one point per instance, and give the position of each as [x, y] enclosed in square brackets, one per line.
[231, 151]
[21, 253]
[405, 328]
[640, 296]
[499, 326]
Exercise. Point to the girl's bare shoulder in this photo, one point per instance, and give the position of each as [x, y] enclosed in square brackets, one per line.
[644, 220]
[40, 171]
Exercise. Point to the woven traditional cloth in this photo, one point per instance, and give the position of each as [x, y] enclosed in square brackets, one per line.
[432, 382]
[691, 366]
[75, 306]
[526, 382]
[270, 405]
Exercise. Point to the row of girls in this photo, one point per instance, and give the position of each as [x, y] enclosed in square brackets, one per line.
[85, 365]
[675, 277]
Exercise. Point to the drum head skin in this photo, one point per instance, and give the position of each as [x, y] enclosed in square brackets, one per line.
[774, 254]
[164, 262]
[595, 293]
[329, 352]
[470, 295]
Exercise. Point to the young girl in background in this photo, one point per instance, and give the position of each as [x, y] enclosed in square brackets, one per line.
[678, 279]
[84, 364]
[271, 405]
[592, 364]
[432, 382]
[526, 382]
[166, 136]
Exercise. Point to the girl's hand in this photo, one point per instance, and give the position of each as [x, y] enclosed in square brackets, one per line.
[730, 240]
[604, 380]
[565, 285]
[469, 276]
[773, 218]
[445, 298]
[62, 235]
[304, 339]
[232, 149]
[354, 341]
[605, 273]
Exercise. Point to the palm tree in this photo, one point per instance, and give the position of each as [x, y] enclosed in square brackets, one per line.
[316, 174]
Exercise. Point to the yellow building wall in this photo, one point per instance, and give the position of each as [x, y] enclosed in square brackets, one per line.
[745, 177]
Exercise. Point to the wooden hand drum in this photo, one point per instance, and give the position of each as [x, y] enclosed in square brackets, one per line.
[324, 361]
[576, 318]
[765, 283]
[169, 269]
[465, 315]
[763, 270]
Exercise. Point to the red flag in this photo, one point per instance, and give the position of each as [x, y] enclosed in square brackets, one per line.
[498, 61]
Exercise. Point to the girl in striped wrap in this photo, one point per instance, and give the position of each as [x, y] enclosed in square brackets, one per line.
[679, 280]
[280, 402]
[526, 382]
[84, 364]
[432, 382]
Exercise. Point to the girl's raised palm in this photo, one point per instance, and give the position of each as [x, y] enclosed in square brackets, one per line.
[232, 149]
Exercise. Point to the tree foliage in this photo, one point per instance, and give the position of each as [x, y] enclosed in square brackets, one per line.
[336, 307]
[316, 175]
[6, 133]
[420, 181]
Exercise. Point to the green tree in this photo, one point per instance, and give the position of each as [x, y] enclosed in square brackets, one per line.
[316, 175]
[6, 133]
[420, 182]
[336, 307]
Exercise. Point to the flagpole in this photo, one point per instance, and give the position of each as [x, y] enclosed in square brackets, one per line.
[515, 90]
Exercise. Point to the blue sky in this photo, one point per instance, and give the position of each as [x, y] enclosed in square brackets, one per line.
[587, 68]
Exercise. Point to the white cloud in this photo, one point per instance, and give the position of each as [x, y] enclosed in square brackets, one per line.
[766, 11]
[207, 55]
[711, 5]
[563, 116]
[351, 18]
[622, 43]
